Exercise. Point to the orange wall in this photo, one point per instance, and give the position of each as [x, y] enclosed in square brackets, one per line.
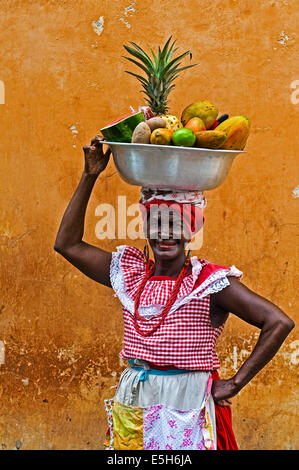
[63, 332]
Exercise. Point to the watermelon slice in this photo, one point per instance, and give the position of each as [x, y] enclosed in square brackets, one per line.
[122, 129]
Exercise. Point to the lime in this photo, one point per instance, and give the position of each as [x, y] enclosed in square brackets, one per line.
[184, 137]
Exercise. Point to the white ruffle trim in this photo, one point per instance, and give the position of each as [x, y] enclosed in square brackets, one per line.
[214, 283]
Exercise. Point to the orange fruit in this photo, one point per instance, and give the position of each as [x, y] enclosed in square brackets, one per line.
[196, 125]
[161, 136]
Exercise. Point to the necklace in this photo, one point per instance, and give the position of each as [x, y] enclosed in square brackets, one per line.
[150, 268]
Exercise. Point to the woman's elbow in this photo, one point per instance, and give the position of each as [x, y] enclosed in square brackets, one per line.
[58, 247]
[288, 324]
[285, 324]
[277, 321]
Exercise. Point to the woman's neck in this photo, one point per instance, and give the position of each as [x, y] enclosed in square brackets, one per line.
[171, 268]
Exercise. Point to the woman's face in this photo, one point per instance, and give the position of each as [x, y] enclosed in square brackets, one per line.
[165, 232]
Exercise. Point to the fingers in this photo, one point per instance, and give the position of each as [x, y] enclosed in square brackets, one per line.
[94, 144]
[97, 144]
[97, 141]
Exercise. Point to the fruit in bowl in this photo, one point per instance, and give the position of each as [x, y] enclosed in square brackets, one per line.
[196, 125]
[161, 137]
[122, 129]
[199, 125]
[184, 137]
[237, 129]
[204, 110]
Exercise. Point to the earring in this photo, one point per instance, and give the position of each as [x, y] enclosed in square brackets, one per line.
[145, 253]
[188, 257]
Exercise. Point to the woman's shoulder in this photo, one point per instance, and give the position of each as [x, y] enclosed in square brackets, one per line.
[209, 277]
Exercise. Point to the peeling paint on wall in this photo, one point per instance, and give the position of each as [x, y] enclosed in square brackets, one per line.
[68, 354]
[292, 357]
[283, 38]
[129, 9]
[98, 26]
[75, 132]
[296, 191]
[125, 22]
[2, 352]
[2, 92]
[235, 358]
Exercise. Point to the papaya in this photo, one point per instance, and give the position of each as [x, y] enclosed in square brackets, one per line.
[161, 136]
[205, 110]
[237, 129]
[210, 139]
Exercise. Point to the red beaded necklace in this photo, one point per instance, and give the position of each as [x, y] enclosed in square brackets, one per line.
[150, 269]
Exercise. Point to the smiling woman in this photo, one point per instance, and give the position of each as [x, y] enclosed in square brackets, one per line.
[174, 309]
[171, 220]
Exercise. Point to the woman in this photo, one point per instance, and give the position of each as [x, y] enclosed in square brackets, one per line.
[174, 309]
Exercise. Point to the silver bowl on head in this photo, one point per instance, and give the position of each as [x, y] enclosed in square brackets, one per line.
[169, 167]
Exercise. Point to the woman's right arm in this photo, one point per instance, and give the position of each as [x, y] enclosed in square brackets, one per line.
[92, 261]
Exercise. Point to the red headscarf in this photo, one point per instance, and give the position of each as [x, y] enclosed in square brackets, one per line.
[187, 205]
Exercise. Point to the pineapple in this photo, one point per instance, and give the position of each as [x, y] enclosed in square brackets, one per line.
[172, 122]
[161, 73]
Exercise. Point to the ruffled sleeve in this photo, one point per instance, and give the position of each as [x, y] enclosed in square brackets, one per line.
[127, 270]
[208, 278]
[214, 278]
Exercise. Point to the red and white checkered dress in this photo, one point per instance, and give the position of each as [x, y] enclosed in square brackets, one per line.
[186, 339]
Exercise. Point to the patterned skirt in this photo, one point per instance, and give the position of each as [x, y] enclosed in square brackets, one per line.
[161, 412]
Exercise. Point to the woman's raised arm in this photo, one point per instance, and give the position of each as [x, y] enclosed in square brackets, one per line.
[92, 261]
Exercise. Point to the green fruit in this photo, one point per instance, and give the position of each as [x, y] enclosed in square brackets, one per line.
[122, 129]
[184, 137]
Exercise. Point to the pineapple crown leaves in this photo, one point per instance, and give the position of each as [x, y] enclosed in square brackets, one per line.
[161, 71]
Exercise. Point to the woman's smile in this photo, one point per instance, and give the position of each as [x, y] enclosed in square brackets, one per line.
[166, 244]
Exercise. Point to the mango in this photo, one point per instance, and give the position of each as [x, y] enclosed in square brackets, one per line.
[196, 125]
[205, 110]
[161, 137]
[210, 139]
[237, 129]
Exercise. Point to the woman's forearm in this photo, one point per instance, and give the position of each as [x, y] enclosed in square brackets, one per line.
[71, 229]
[274, 327]
[269, 342]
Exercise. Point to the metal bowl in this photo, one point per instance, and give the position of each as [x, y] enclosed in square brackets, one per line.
[169, 167]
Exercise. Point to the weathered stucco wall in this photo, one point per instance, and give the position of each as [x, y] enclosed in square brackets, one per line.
[62, 332]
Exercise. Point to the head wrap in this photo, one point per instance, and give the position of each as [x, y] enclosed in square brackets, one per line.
[188, 205]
